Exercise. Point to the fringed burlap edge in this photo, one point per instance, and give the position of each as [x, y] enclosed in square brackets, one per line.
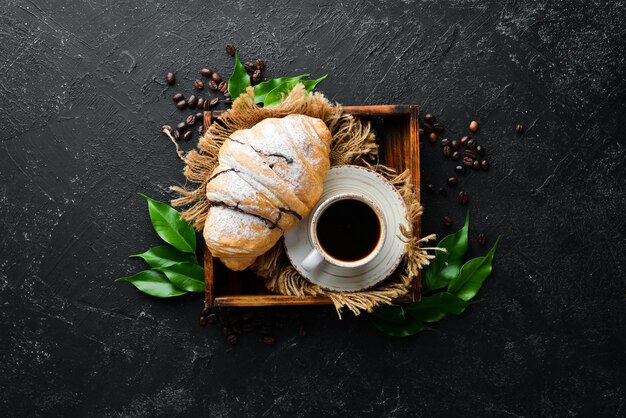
[352, 143]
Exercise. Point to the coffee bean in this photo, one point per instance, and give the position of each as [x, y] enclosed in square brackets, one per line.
[428, 128]
[192, 101]
[228, 100]
[480, 149]
[226, 331]
[206, 72]
[178, 97]
[445, 142]
[230, 50]
[216, 77]
[202, 321]
[181, 126]
[470, 153]
[484, 164]
[198, 84]
[200, 129]
[170, 79]
[455, 144]
[250, 67]
[464, 140]
[213, 85]
[430, 188]
[199, 116]
[214, 101]
[421, 132]
[430, 118]
[260, 64]
[460, 169]
[187, 135]
[223, 87]
[232, 339]
[482, 239]
[447, 151]
[443, 192]
[468, 161]
[256, 76]
[447, 221]
[519, 129]
[211, 318]
[200, 102]
[268, 340]
[167, 128]
[473, 127]
[438, 128]
[432, 137]
[456, 155]
[471, 144]
[191, 120]
[476, 165]
[176, 135]
[463, 197]
[453, 181]
[302, 331]
[181, 105]
[227, 94]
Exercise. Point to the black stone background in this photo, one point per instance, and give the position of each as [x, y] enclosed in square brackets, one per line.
[82, 100]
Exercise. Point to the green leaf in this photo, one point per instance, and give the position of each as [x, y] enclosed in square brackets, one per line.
[472, 275]
[438, 306]
[239, 80]
[186, 276]
[310, 85]
[261, 90]
[153, 283]
[275, 96]
[167, 222]
[164, 256]
[446, 265]
[395, 321]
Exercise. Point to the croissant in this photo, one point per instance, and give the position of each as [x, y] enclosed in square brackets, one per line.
[268, 177]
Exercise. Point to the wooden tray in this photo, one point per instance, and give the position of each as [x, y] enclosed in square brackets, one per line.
[397, 130]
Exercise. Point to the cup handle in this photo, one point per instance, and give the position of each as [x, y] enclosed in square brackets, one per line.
[312, 260]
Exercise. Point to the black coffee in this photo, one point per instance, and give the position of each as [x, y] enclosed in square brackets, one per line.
[348, 230]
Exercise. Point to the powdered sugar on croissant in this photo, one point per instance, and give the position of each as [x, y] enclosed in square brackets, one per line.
[268, 178]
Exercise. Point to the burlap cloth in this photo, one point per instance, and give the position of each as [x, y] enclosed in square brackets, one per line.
[352, 143]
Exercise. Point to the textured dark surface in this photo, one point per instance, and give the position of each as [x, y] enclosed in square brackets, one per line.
[82, 100]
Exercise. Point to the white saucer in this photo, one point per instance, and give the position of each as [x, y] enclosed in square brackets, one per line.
[342, 179]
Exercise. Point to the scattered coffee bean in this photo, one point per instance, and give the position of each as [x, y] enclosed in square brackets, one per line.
[484, 164]
[443, 192]
[178, 97]
[214, 101]
[176, 135]
[519, 129]
[200, 102]
[211, 318]
[455, 144]
[302, 331]
[187, 135]
[167, 128]
[432, 137]
[170, 79]
[473, 127]
[181, 105]
[471, 143]
[256, 76]
[232, 339]
[430, 118]
[200, 129]
[181, 126]
[216, 77]
[268, 340]
[222, 86]
[192, 101]
[482, 239]
[199, 116]
[191, 120]
[260, 64]
[226, 331]
[202, 320]
[460, 169]
[438, 128]
[428, 128]
[226, 94]
[476, 165]
[421, 132]
[453, 181]
[250, 67]
[480, 150]
[445, 142]
[447, 151]
[463, 197]
[206, 72]
[470, 153]
[464, 140]
[230, 50]
[198, 84]
[447, 221]
[430, 188]
[456, 155]
[468, 161]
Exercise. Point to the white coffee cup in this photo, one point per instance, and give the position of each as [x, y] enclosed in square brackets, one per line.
[317, 255]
